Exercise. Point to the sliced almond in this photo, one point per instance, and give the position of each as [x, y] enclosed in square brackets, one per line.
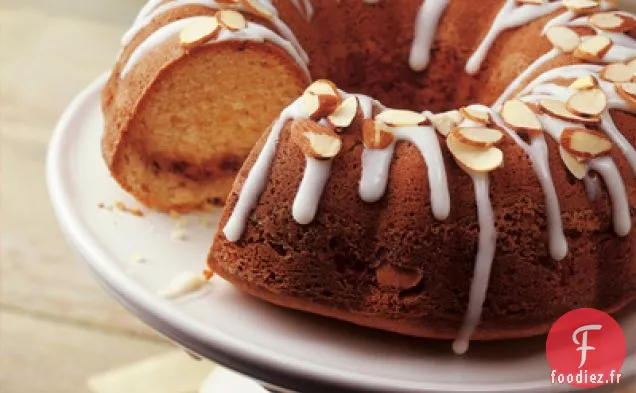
[376, 134]
[518, 115]
[315, 140]
[617, 72]
[199, 31]
[627, 91]
[533, 2]
[584, 143]
[594, 48]
[610, 21]
[577, 169]
[401, 118]
[255, 7]
[445, 122]
[344, 114]
[476, 115]
[231, 20]
[324, 87]
[632, 64]
[587, 103]
[479, 136]
[564, 39]
[320, 106]
[584, 83]
[581, 6]
[559, 110]
[472, 158]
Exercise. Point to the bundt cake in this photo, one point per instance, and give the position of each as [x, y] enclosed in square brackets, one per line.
[502, 196]
[500, 199]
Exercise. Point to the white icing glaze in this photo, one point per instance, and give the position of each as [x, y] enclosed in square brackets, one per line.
[253, 32]
[511, 15]
[607, 124]
[606, 167]
[182, 284]
[376, 164]
[256, 180]
[310, 190]
[305, 7]
[426, 23]
[592, 187]
[149, 15]
[483, 262]
[425, 139]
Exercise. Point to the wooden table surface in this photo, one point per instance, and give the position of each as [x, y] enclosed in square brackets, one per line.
[57, 327]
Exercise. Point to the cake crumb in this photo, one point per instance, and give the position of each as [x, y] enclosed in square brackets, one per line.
[179, 234]
[101, 205]
[138, 258]
[208, 274]
[183, 223]
[205, 222]
[119, 205]
[174, 214]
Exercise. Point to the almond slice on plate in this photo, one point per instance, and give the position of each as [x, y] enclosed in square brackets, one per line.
[518, 115]
[476, 115]
[581, 6]
[587, 103]
[319, 106]
[627, 91]
[577, 169]
[585, 143]
[564, 39]
[479, 136]
[612, 22]
[344, 114]
[401, 118]
[231, 20]
[593, 48]
[617, 72]
[445, 122]
[199, 31]
[472, 158]
[315, 140]
[584, 83]
[559, 110]
[376, 134]
[255, 7]
[324, 87]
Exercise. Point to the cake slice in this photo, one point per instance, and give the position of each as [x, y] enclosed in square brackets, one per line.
[193, 89]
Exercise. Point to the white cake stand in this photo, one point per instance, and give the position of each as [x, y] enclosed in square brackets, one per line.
[281, 348]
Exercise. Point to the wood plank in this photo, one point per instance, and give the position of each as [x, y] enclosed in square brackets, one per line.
[46, 357]
[40, 274]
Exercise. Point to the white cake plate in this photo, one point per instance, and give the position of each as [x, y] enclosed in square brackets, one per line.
[281, 348]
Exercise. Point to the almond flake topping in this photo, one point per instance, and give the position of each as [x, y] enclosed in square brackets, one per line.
[564, 39]
[376, 134]
[584, 143]
[617, 72]
[231, 20]
[479, 136]
[474, 158]
[577, 169]
[584, 83]
[315, 140]
[587, 103]
[627, 91]
[319, 106]
[559, 110]
[581, 6]
[533, 2]
[476, 115]
[445, 122]
[401, 118]
[594, 48]
[518, 115]
[345, 113]
[255, 7]
[610, 21]
[199, 32]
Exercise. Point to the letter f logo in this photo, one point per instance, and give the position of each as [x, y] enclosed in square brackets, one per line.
[583, 343]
